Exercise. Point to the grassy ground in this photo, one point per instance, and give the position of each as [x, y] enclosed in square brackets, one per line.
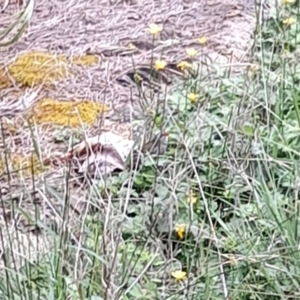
[217, 216]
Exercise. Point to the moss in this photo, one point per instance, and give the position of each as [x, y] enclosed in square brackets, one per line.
[66, 113]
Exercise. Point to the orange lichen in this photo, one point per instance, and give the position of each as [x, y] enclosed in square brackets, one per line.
[38, 67]
[66, 113]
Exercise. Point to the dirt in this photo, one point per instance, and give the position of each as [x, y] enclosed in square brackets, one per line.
[107, 28]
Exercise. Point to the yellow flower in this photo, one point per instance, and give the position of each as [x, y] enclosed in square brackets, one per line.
[191, 52]
[232, 260]
[131, 46]
[289, 21]
[202, 40]
[137, 77]
[288, 1]
[178, 275]
[180, 229]
[193, 97]
[150, 111]
[286, 53]
[160, 64]
[155, 29]
[254, 67]
[192, 198]
[183, 65]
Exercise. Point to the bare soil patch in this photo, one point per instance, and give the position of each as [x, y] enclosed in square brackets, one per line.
[80, 27]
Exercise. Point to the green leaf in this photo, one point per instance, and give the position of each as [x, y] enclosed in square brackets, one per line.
[162, 191]
[248, 130]
[136, 292]
[178, 102]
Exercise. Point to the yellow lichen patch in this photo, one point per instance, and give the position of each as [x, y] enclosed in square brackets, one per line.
[66, 113]
[21, 164]
[86, 60]
[39, 67]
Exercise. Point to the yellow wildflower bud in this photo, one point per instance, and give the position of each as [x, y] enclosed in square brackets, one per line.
[191, 52]
[179, 275]
[286, 2]
[232, 260]
[202, 40]
[254, 67]
[193, 97]
[289, 21]
[160, 64]
[183, 65]
[131, 46]
[180, 229]
[155, 29]
[192, 198]
[137, 77]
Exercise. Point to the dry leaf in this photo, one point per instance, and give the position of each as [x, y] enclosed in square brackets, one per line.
[99, 155]
[103, 162]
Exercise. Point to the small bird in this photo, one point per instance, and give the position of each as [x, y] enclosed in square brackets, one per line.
[157, 145]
